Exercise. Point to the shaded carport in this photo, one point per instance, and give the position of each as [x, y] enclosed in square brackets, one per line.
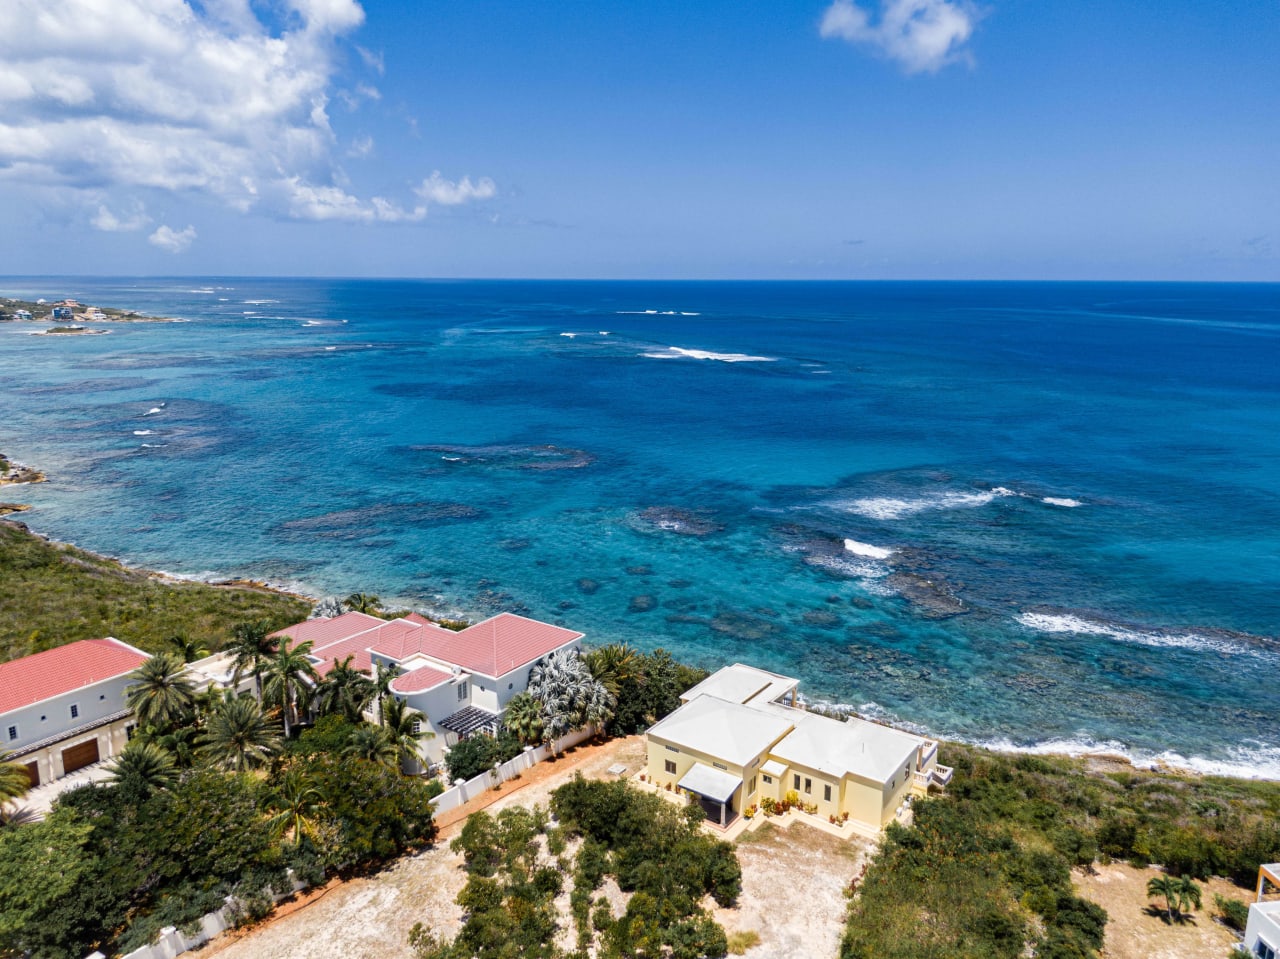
[714, 789]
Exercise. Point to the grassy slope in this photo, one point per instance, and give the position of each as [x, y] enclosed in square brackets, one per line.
[52, 594]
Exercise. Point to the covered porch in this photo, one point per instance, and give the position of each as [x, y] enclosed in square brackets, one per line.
[714, 789]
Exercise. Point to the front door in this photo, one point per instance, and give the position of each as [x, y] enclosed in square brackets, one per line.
[33, 773]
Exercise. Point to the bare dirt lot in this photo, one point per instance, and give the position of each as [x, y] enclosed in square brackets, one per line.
[793, 882]
[1134, 933]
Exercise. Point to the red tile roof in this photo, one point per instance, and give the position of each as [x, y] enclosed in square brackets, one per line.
[417, 680]
[64, 669]
[494, 647]
[499, 644]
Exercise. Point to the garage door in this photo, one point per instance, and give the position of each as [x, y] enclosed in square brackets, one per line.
[33, 773]
[80, 756]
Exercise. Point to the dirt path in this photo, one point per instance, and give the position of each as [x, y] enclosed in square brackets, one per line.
[1134, 933]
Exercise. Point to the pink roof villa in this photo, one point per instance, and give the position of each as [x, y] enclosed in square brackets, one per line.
[460, 681]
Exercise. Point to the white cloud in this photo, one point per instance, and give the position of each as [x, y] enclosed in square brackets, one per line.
[101, 100]
[109, 222]
[436, 189]
[361, 147]
[173, 241]
[922, 35]
[374, 61]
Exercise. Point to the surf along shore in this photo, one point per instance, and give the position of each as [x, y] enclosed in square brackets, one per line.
[274, 601]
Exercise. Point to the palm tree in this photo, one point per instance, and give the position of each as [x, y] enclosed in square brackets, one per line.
[614, 665]
[374, 744]
[524, 718]
[160, 692]
[362, 602]
[345, 688]
[327, 609]
[570, 698]
[238, 736]
[1178, 893]
[290, 680]
[404, 728]
[189, 649]
[251, 646]
[297, 804]
[14, 781]
[382, 678]
[144, 767]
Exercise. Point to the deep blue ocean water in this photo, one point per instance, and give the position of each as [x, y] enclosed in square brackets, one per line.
[1061, 501]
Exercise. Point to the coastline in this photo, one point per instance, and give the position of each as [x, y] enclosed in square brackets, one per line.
[1105, 757]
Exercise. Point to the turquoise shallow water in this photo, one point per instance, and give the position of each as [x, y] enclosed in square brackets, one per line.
[1062, 500]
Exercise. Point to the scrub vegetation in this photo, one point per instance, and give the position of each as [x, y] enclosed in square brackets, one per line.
[51, 594]
[985, 871]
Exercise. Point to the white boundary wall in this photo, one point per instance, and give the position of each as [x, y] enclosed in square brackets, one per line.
[455, 797]
[173, 943]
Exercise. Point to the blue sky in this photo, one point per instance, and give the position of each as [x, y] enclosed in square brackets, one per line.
[833, 139]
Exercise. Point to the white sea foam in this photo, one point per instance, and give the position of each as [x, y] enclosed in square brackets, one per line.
[206, 290]
[892, 507]
[1061, 501]
[144, 432]
[1071, 623]
[604, 332]
[153, 446]
[683, 313]
[258, 302]
[1253, 759]
[452, 459]
[569, 335]
[327, 348]
[866, 549]
[677, 352]
[864, 569]
[153, 411]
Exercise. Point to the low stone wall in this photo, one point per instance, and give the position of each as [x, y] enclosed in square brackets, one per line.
[532, 755]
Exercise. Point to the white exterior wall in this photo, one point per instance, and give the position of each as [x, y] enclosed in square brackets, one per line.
[1264, 925]
[51, 718]
[435, 704]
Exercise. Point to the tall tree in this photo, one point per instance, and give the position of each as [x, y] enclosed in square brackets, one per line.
[189, 649]
[291, 678]
[251, 646]
[160, 693]
[362, 603]
[404, 728]
[614, 665]
[1180, 893]
[238, 736]
[374, 744]
[143, 768]
[14, 781]
[524, 718]
[297, 804]
[382, 677]
[570, 697]
[345, 689]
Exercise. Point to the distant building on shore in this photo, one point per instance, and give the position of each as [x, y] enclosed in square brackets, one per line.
[1262, 933]
[64, 709]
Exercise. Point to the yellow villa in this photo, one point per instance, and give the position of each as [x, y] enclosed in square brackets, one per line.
[740, 738]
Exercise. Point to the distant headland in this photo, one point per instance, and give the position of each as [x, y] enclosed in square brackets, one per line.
[64, 316]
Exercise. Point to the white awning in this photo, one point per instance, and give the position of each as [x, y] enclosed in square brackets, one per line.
[714, 784]
[773, 768]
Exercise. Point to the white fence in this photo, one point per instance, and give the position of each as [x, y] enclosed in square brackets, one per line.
[173, 943]
[461, 793]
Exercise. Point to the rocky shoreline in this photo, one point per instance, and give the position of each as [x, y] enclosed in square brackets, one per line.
[61, 311]
[13, 473]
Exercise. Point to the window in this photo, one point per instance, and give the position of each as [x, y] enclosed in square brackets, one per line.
[75, 710]
[130, 730]
[43, 718]
[670, 766]
[751, 787]
[768, 780]
[511, 685]
[462, 690]
[826, 793]
[808, 785]
[13, 733]
[417, 727]
[1264, 950]
[796, 785]
[102, 696]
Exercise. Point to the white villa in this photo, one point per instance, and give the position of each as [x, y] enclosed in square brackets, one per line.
[64, 709]
[1262, 932]
[740, 738]
[460, 681]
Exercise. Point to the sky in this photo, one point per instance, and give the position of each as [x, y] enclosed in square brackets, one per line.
[840, 139]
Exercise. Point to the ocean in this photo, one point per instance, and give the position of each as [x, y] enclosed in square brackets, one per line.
[1032, 515]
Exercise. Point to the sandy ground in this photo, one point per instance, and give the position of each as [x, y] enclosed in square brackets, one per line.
[1133, 933]
[793, 882]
